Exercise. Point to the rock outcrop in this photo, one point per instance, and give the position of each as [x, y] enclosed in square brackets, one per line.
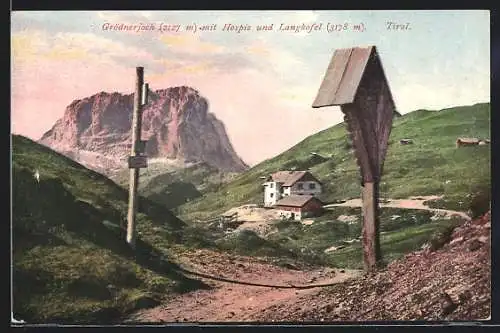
[95, 131]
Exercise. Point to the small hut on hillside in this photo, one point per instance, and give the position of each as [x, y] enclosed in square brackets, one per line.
[296, 207]
[467, 142]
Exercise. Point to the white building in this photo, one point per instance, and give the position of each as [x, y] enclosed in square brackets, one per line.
[285, 183]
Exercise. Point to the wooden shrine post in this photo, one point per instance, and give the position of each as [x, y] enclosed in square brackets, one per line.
[137, 159]
[356, 82]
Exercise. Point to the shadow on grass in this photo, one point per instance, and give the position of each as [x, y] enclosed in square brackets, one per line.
[45, 212]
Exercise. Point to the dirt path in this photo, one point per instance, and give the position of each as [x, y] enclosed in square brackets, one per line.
[233, 302]
[260, 220]
[410, 203]
[240, 302]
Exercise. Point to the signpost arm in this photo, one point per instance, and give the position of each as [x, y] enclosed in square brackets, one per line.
[134, 172]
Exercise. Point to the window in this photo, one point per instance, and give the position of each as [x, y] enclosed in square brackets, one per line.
[312, 186]
[271, 185]
[300, 186]
[271, 195]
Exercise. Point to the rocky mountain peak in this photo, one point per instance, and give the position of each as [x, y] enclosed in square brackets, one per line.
[176, 124]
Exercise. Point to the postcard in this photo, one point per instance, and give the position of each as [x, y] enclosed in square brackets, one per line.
[250, 167]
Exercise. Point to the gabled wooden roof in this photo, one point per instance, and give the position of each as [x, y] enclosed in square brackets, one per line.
[344, 74]
[296, 200]
[288, 178]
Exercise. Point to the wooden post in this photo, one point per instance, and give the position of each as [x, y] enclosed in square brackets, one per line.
[355, 81]
[134, 172]
[370, 231]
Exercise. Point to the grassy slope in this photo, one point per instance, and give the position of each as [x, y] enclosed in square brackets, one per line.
[173, 186]
[70, 260]
[432, 165]
[402, 230]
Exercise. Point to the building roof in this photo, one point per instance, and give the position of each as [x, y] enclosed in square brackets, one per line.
[468, 140]
[344, 74]
[295, 200]
[288, 178]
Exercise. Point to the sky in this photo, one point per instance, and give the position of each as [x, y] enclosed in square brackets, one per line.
[261, 84]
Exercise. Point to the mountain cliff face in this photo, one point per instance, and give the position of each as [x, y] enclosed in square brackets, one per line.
[96, 131]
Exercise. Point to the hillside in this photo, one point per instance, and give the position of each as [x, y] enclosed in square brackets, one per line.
[448, 279]
[430, 166]
[451, 283]
[171, 185]
[71, 263]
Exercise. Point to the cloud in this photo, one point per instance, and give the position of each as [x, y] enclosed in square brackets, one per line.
[109, 15]
[258, 49]
[299, 95]
[191, 55]
[35, 46]
[26, 46]
[62, 53]
[297, 17]
[281, 62]
[190, 43]
[124, 16]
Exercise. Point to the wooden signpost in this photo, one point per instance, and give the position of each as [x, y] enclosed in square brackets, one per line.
[356, 82]
[137, 162]
[137, 159]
